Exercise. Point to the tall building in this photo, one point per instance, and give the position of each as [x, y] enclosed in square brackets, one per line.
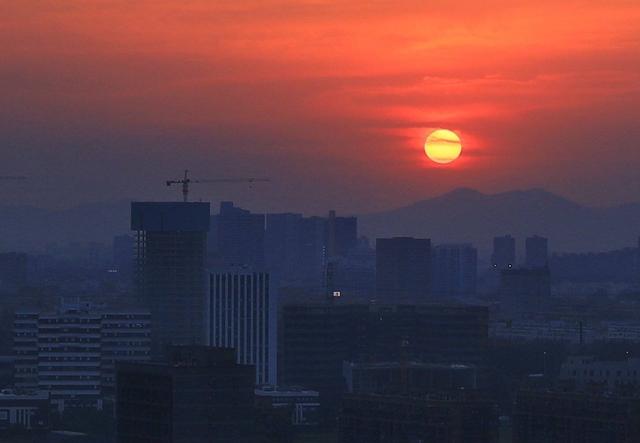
[297, 248]
[197, 395]
[242, 314]
[403, 269]
[455, 270]
[536, 252]
[342, 234]
[316, 340]
[237, 238]
[71, 353]
[170, 261]
[504, 253]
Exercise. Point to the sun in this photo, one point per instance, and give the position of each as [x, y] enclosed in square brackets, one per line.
[443, 146]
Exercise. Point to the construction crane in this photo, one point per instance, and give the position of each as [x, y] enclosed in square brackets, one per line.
[186, 181]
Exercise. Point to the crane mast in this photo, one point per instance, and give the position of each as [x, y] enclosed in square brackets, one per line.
[186, 181]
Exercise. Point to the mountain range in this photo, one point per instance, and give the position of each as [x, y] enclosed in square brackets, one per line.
[462, 215]
[467, 215]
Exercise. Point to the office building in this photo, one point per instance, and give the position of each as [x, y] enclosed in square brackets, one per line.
[236, 238]
[170, 261]
[316, 340]
[342, 235]
[504, 253]
[455, 270]
[242, 314]
[198, 394]
[403, 269]
[71, 353]
[297, 248]
[536, 252]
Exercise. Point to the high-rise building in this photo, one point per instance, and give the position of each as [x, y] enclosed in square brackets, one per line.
[342, 234]
[199, 394]
[242, 314]
[71, 353]
[504, 253]
[170, 261]
[536, 252]
[455, 270]
[316, 340]
[237, 238]
[403, 269]
[298, 248]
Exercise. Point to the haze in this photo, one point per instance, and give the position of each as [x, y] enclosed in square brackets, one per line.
[104, 100]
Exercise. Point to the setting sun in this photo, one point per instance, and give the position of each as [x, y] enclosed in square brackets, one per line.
[443, 146]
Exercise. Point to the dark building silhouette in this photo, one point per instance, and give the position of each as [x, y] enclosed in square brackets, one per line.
[525, 284]
[504, 253]
[407, 377]
[282, 244]
[198, 395]
[13, 271]
[455, 417]
[298, 249]
[318, 339]
[236, 238]
[618, 266]
[454, 270]
[170, 260]
[556, 416]
[403, 269]
[536, 252]
[342, 234]
[434, 332]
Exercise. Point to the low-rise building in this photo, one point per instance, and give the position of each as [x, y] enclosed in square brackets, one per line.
[28, 411]
[303, 404]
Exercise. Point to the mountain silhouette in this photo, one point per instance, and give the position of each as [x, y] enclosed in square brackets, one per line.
[467, 215]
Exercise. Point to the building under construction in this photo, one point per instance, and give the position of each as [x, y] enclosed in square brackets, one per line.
[169, 269]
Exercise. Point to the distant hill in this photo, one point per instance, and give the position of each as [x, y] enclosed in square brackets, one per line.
[29, 229]
[466, 215]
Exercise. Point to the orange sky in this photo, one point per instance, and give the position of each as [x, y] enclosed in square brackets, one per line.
[333, 100]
